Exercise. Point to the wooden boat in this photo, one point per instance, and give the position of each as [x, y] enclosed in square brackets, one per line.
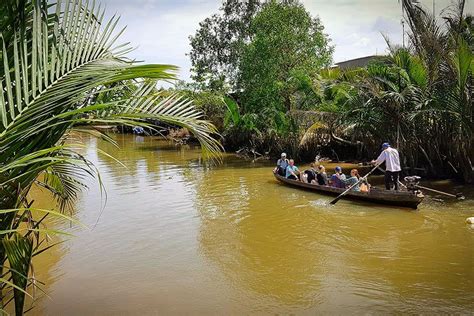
[397, 198]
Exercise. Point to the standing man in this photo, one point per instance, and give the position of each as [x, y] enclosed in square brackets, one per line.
[391, 158]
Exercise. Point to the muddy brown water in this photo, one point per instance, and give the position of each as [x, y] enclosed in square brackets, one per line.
[181, 237]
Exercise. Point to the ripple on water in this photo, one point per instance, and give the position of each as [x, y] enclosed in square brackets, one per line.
[321, 203]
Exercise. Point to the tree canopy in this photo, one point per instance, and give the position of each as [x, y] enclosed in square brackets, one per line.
[218, 43]
[418, 97]
[287, 49]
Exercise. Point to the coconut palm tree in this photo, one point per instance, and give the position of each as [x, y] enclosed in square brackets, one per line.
[447, 114]
[420, 97]
[56, 58]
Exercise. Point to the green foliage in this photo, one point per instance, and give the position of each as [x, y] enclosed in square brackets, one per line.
[211, 105]
[420, 98]
[267, 55]
[286, 50]
[218, 43]
[233, 113]
[61, 68]
[19, 251]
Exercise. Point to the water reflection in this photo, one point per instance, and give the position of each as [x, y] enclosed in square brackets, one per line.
[296, 252]
[180, 237]
[260, 253]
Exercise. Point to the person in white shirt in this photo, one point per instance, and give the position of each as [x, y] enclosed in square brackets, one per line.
[391, 158]
[281, 166]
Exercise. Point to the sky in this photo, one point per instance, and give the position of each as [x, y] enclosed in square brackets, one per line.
[160, 29]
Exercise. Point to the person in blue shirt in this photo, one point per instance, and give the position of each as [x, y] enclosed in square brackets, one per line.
[353, 179]
[337, 179]
[292, 171]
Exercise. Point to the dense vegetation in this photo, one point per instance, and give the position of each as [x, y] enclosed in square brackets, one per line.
[61, 69]
[273, 59]
[418, 97]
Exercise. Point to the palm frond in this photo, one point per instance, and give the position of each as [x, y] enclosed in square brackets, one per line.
[19, 251]
[56, 58]
[309, 133]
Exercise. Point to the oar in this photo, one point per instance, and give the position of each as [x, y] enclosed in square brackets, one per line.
[352, 186]
[459, 196]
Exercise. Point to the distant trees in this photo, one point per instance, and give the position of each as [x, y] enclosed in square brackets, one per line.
[419, 97]
[287, 48]
[218, 44]
[265, 55]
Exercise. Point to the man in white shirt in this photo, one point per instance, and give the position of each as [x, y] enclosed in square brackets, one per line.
[282, 164]
[391, 158]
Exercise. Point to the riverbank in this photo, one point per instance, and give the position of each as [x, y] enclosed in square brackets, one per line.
[332, 152]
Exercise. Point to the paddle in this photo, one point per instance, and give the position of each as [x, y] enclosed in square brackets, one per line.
[458, 196]
[352, 186]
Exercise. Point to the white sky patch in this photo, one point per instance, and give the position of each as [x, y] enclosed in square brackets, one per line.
[160, 28]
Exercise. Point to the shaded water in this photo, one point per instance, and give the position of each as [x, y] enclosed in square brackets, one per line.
[178, 237]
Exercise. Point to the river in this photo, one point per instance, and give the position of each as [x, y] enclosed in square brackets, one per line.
[178, 236]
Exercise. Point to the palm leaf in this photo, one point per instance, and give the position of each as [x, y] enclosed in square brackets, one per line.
[54, 58]
[233, 113]
[309, 133]
[19, 251]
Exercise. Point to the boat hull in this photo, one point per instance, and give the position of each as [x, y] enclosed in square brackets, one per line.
[395, 198]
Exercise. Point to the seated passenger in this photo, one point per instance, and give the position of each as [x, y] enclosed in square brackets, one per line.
[337, 178]
[322, 177]
[353, 179]
[309, 175]
[292, 171]
[364, 186]
[282, 163]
